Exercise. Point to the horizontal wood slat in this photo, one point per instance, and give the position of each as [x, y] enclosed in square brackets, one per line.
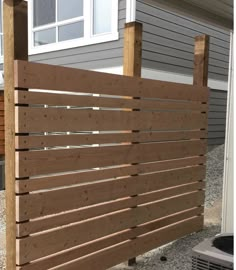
[55, 161]
[37, 141]
[89, 201]
[2, 149]
[75, 253]
[34, 247]
[40, 225]
[109, 257]
[39, 98]
[67, 179]
[42, 76]
[52, 202]
[1, 120]
[30, 119]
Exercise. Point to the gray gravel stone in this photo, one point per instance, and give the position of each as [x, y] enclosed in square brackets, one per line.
[214, 175]
[2, 212]
[2, 230]
[178, 253]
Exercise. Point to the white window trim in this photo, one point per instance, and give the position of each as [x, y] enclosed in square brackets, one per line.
[88, 38]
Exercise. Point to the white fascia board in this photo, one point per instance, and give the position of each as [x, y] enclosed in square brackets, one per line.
[167, 76]
[130, 11]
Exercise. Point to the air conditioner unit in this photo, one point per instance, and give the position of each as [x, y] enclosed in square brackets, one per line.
[214, 254]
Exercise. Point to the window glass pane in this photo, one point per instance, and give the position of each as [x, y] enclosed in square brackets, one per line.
[71, 31]
[102, 11]
[44, 12]
[45, 37]
[68, 9]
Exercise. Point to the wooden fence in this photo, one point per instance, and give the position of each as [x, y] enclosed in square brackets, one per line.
[78, 173]
[2, 152]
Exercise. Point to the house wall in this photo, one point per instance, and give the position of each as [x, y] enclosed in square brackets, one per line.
[217, 117]
[107, 54]
[168, 46]
[168, 42]
[217, 104]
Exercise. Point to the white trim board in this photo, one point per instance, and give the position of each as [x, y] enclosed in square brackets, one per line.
[168, 76]
[130, 11]
[227, 225]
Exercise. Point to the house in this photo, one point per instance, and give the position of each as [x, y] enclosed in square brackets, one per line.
[26, 170]
[89, 35]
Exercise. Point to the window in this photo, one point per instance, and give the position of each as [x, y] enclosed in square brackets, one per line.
[61, 24]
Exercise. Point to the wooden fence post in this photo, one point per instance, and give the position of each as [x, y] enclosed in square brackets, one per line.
[15, 47]
[201, 58]
[132, 49]
[132, 65]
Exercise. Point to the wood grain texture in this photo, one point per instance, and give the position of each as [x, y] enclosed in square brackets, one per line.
[104, 259]
[132, 60]
[152, 235]
[50, 202]
[50, 222]
[15, 47]
[34, 163]
[90, 201]
[201, 59]
[39, 141]
[51, 99]
[75, 253]
[2, 126]
[34, 247]
[42, 76]
[77, 178]
[62, 120]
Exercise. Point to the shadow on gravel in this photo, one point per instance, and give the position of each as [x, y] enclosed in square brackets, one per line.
[178, 253]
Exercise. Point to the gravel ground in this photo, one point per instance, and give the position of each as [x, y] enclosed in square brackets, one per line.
[2, 230]
[214, 175]
[2, 211]
[178, 253]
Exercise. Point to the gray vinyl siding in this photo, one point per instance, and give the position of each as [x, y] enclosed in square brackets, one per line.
[217, 117]
[168, 42]
[94, 56]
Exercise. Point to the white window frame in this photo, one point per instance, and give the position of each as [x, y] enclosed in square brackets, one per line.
[88, 38]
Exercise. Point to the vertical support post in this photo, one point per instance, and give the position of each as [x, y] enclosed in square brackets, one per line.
[201, 59]
[132, 65]
[133, 49]
[15, 47]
